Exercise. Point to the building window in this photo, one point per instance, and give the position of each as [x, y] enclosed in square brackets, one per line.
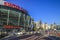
[3, 16]
[22, 19]
[13, 18]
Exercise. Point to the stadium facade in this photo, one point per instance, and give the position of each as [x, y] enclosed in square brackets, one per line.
[14, 17]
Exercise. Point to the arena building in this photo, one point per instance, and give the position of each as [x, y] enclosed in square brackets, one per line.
[13, 17]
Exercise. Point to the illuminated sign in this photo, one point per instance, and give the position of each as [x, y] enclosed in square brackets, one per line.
[11, 5]
[7, 26]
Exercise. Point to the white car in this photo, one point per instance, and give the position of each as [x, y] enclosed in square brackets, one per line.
[19, 33]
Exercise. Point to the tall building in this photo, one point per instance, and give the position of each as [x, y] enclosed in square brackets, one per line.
[53, 26]
[58, 27]
[45, 26]
[39, 25]
[13, 17]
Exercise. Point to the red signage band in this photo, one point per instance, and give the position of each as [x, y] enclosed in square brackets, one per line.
[7, 26]
[13, 6]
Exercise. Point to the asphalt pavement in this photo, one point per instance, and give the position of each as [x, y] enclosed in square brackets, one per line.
[51, 38]
[36, 36]
[24, 37]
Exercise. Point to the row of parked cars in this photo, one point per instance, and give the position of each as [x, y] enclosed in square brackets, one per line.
[26, 33]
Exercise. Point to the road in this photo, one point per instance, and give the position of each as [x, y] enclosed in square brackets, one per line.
[51, 38]
[36, 36]
[24, 37]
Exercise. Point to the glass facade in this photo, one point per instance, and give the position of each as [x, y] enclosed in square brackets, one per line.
[12, 18]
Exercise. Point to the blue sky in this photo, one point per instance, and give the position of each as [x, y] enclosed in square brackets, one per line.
[45, 10]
